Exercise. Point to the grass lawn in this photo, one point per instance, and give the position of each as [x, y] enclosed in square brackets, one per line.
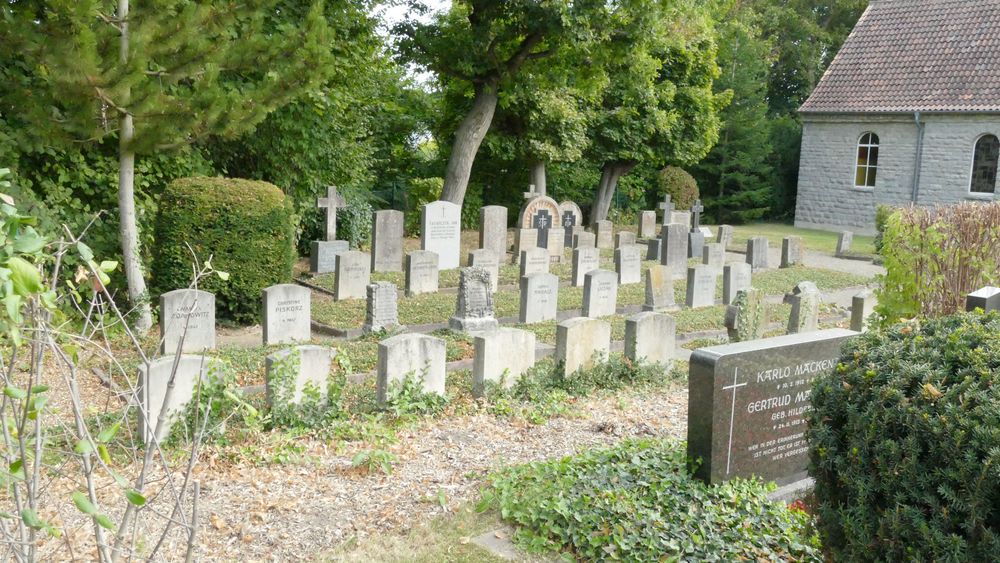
[819, 241]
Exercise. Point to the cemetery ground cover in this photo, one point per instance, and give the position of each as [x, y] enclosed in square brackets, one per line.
[815, 240]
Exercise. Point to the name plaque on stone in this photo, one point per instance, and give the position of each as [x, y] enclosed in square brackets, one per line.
[747, 405]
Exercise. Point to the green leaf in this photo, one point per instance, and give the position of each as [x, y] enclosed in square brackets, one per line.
[27, 280]
[17, 469]
[224, 276]
[31, 520]
[83, 504]
[135, 497]
[14, 392]
[105, 522]
[83, 447]
[102, 451]
[29, 243]
[39, 389]
[85, 252]
[108, 266]
[108, 433]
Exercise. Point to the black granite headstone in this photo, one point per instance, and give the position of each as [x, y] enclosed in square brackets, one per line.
[543, 222]
[987, 299]
[568, 222]
[747, 404]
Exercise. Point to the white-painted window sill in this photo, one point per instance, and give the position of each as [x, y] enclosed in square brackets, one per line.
[980, 197]
[863, 189]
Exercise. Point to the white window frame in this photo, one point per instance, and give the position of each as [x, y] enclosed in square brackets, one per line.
[868, 167]
[972, 169]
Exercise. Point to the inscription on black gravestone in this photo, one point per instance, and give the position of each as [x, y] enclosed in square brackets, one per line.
[569, 221]
[543, 222]
[747, 404]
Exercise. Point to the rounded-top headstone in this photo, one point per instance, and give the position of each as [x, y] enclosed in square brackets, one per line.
[536, 205]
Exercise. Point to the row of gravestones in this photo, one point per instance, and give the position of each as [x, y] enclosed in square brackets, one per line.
[502, 356]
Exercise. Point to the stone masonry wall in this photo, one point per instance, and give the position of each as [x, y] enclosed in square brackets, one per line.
[827, 198]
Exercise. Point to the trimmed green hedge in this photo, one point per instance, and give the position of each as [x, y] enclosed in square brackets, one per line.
[244, 225]
[681, 186]
[905, 444]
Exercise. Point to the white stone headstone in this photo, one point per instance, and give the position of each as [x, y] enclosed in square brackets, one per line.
[154, 379]
[628, 264]
[586, 259]
[539, 298]
[421, 272]
[409, 354]
[441, 232]
[287, 314]
[600, 293]
[354, 273]
[291, 372]
[580, 341]
[493, 229]
[387, 241]
[650, 337]
[187, 314]
[502, 356]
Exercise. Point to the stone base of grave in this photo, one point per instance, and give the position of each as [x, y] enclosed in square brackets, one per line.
[793, 491]
[323, 255]
[665, 309]
[473, 324]
[368, 329]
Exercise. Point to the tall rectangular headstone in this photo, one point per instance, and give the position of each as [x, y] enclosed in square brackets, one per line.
[651, 337]
[493, 229]
[489, 261]
[502, 357]
[735, 276]
[647, 224]
[421, 272]
[713, 256]
[382, 310]
[539, 298]
[748, 403]
[323, 255]
[585, 259]
[187, 314]
[410, 355]
[353, 275]
[757, 253]
[585, 240]
[580, 342]
[624, 238]
[600, 293]
[154, 380]
[293, 375]
[673, 253]
[863, 304]
[387, 241]
[441, 232]
[725, 236]
[524, 239]
[804, 300]
[534, 260]
[556, 243]
[844, 243]
[628, 264]
[791, 251]
[701, 282]
[653, 248]
[474, 306]
[696, 242]
[605, 237]
[659, 289]
[746, 318]
[287, 314]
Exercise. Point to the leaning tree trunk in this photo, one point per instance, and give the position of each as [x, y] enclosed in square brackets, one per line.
[126, 200]
[610, 174]
[468, 137]
[538, 176]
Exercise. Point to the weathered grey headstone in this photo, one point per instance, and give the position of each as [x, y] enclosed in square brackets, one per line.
[187, 314]
[539, 298]
[287, 314]
[524, 239]
[489, 261]
[600, 293]
[804, 300]
[748, 403]
[323, 255]
[791, 251]
[987, 299]
[382, 311]
[863, 304]
[659, 289]
[735, 276]
[474, 306]
[493, 229]
[653, 247]
[605, 237]
[651, 337]
[713, 256]
[502, 357]
[154, 380]
[296, 375]
[757, 253]
[534, 260]
[556, 243]
[628, 264]
[441, 232]
[353, 275]
[571, 219]
[647, 224]
[572, 232]
[844, 243]
[421, 272]
[387, 241]
[701, 282]
[725, 236]
[681, 218]
[746, 318]
[696, 242]
[624, 238]
[411, 353]
[580, 341]
[585, 259]
[673, 253]
[585, 240]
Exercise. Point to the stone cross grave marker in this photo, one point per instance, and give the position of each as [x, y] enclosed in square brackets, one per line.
[287, 314]
[572, 220]
[600, 293]
[748, 402]
[421, 272]
[531, 193]
[696, 210]
[667, 206]
[190, 310]
[542, 222]
[474, 306]
[502, 357]
[441, 232]
[539, 298]
[382, 307]
[410, 354]
[330, 203]
[387, 241]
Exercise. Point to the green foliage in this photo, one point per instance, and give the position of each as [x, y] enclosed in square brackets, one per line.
[905, 443]
[637, 502]
[421, 192]
[882, 214]
[376, 459]
[681, 186]
[212, 413]
[408, 398]
[244, 226]
[934, 257]
[315, 408]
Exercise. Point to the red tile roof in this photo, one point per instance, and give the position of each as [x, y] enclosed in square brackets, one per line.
[916, 55]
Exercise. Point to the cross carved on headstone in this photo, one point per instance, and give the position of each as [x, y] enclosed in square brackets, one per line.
[696, 210]
[667, 207]
[531, 193]
[331, 202]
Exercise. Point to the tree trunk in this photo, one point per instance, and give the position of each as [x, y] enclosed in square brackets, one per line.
[469, 135]
[538, 176]
[126, 199]
[610, 174]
